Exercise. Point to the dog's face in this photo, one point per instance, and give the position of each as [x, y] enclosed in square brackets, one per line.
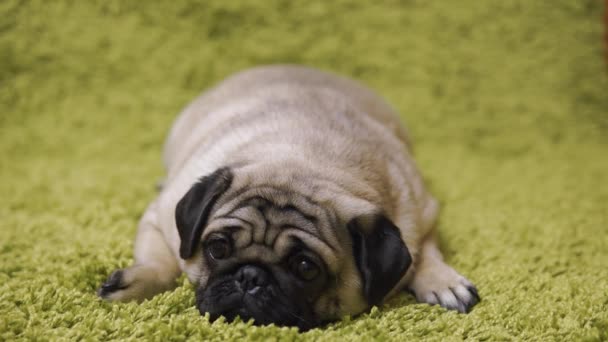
[270, 253]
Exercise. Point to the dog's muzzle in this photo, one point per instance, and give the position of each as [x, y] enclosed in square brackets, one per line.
[251, 279]
[252, 292]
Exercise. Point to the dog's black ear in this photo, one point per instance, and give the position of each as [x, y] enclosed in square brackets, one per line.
[192, 211]
[380, 255]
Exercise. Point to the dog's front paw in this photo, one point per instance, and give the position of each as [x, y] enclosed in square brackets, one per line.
[119, 286]
[114, 283]
[442, 285]
[137, 282]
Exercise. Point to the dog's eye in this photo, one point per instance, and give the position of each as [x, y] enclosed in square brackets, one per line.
[219, 247]
[304, 268]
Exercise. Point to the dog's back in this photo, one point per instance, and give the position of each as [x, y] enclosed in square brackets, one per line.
[299, 122]
[264, 96]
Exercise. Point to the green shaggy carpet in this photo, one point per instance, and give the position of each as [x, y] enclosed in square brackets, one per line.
[507, 102]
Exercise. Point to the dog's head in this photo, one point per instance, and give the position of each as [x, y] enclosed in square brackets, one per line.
[266, 251]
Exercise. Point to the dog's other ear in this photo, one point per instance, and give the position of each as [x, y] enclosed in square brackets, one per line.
[192, 211]
[380, 254]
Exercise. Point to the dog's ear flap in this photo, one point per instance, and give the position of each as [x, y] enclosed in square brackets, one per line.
[380, 254]
[192, 211]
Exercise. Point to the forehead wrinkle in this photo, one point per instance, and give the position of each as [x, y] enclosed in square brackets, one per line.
[243, 239]
[234, 200]
[280, 218]
[314, 214]
[271, 235]
[257, 223]
[259, 231]
[284, 243]
[244, 222]
[327, 220]
[248, 214]
[268, 192]
[289, 215]
[258, 253]
[240, 233]
[219, 224]
[278, 196]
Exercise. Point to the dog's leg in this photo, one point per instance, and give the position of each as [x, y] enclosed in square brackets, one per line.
[154, 271]
[435, 282]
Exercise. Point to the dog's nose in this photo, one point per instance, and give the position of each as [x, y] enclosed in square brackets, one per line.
[251, 278]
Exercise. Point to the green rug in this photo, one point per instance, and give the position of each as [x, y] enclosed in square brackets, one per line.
[507, 102]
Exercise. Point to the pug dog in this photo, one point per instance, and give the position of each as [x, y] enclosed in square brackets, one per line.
[291, 198]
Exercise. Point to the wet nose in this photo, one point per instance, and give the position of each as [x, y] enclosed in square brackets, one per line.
[252, 278]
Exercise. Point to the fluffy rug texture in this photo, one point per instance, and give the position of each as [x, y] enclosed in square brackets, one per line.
[507, 102]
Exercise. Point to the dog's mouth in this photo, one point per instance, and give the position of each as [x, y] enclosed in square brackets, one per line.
[266, 303]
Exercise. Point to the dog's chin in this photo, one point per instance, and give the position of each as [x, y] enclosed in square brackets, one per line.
[265, 305]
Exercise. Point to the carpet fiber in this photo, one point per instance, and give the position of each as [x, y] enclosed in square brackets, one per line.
[507, 102]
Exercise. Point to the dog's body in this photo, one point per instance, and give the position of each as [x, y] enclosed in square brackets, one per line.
[284, 156]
